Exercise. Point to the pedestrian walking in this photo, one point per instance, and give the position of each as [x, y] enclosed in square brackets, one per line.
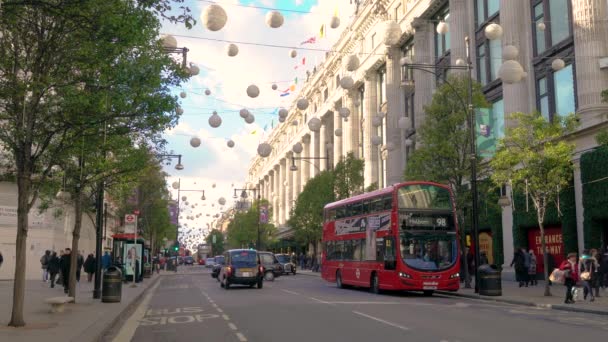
[570, 269]
[44, 262]
[54, 268]
[106, 260]
[596, 277]
[79, 264]
[586, 268]
[89, 267]
[521, 271]
[65, 269]
[483, 258]
[604, 269]
[532, 268]
[1, 259]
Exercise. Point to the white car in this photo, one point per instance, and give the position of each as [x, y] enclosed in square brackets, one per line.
[209, 262]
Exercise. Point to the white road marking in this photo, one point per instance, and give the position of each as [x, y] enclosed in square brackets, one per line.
[381, 320]
[219, 310]
[232, 326]
[320, 301]
[358, 303]
[291, 292]
[241, 337]
[127, 331]
[226, 317]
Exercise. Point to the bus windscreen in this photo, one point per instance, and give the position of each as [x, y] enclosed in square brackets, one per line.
[424, 196]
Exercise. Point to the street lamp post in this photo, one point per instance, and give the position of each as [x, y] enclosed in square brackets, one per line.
[293, 166]
[408, 85]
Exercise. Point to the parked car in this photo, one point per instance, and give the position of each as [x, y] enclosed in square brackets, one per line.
[209, 262]
[180, 260]
[288, 265]
[241, 267]
[188, 260]
[201, 261]
[272, 266]
[219, 262]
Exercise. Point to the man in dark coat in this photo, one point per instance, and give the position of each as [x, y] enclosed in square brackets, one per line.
[79, 263]
[65, 269]
[54, 267]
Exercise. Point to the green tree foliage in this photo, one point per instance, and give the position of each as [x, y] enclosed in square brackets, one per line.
[217, 247]
[535, 157]
[307, 215]
[348, 176]
[602, 136]
[243, 229]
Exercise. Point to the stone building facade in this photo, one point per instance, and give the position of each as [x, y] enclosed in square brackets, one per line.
[575, 31]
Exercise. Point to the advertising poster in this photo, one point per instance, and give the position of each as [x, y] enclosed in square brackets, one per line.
[132, 254]
[264, 214]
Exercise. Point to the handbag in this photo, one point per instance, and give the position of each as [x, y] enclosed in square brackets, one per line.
[558, 276]
[586, 276]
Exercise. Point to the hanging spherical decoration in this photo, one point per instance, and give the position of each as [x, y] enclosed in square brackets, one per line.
[253, 91]
[356, 102]
[250, 119]
[179, 110]
[213, 185]
[293, 53]
[314, 124]
[295, 122]
[175, 185]
[215, 120]
[302, 104]
[183, 94]
[334, 22]
[244, 113]
[381, 115]
[493, 31]
[541, 26]
[511, 72]
[509, 52]
[281, 119]
[195, 142]
[221, 201]
[207, 92]
[351, 63]
[392, 32]
[283, 113]
[460, 62]
[405, 60]
[274, 86]
[442, 27]
[230, 143]
[558, 64]
[377, 121]
[347, 82]
[403, 122]
[264, 150]
[169, 41]
[194, 70]
[184, 198]
[232, 50]
[186, 203]
[376, 140]
[297, 148]
[344, 112]
[338, 132]
[274, 19]
[390, 146]
[214, 17]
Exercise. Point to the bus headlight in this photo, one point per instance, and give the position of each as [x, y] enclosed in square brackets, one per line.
[405, 275]
[455, 275]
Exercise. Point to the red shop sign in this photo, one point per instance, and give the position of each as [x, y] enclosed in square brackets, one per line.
[554, 243]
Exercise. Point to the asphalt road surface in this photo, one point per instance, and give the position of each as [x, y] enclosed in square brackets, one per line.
[191, 306]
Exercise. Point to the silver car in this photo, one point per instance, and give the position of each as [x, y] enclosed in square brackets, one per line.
[209, 262]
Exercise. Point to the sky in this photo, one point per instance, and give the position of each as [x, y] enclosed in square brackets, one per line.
[213, 166]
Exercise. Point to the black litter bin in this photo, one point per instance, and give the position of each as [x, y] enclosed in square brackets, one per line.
[489, 280]
[111, 291]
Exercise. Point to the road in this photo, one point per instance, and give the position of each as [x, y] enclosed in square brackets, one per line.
[191, 306]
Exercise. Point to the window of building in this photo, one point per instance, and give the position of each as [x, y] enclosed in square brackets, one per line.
[337, 81]
[373, 41]
[325, 94]
[490, 126]
[397, 12]
[555, 93]
[489, 54]
[556, 16]
[485, 10]
[382, 85]
[442, 41]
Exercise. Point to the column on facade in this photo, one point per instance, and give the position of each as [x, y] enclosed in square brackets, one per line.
[394, 160]
[353, 123]
[346, 125]
[297, 179]
[338, 149]
[578, 202]
[276, 196]
[322, 143]
[424, 47]
[289, 187]
[306, 153]
[370, 151]
[590, 25]
[283, 195]
[315, 149]
[459, 29]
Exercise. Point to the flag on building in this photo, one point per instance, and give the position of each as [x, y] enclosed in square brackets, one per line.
[310, 40]
[322, 31]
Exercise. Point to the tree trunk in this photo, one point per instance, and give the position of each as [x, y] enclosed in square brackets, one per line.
[545, 258]
[23, 189]
[75, 240]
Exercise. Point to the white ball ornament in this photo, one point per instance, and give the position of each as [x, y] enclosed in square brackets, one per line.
[541, 26]
[297, 148]
[461, 62]
[195, 142]
[232, 50]
[376, 140]
[352, 63]
[169, 41]
[493, 31]
[215, 120]
[356, 102]
[511, 72]
[184, 198]
[392, 32]
[390, 146]
[230, 143]
[244, 113]
[214, 17]
[442, 27]
[295, 122]
[274, 86]
[302, 104]
[179, 110]
[338, 132]
[334, 22]
[347, 82]
[314, 124]
[283, 113]
[403, 123]
[558, 64]
[253, 91]
[377, 121]
[264, 150]
[274, 19]
[221, 201]
[344, 112]
[250, 119]
[293, 53]
[281, 119]
[207, 92]
[213, 185]
[183, 94]
[194, 70]
[175, 185]
[509, 52]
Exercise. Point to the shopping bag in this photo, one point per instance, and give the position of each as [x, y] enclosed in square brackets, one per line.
[558, 276]
[577, 293]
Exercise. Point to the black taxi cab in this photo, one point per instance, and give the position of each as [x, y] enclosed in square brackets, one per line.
[241, 266]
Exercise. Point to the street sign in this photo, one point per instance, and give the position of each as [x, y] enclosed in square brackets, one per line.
[130, 223]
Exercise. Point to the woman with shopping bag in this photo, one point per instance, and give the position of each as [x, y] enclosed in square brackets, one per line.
[586, 270]
[570, 268]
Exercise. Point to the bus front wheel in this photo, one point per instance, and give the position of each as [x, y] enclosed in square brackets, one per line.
[339, 280]
[375, 287]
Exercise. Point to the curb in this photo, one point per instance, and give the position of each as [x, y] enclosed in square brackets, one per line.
[526, 303]
[310, 274]
[129, 307]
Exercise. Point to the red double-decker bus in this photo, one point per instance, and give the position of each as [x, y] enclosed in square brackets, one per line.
[403, 237]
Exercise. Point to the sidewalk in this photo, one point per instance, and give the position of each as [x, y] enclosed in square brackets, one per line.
[86, 320]
[528, 296]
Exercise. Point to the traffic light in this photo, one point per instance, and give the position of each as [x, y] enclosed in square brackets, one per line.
[176, 248]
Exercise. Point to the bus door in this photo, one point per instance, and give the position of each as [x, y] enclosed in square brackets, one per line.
[385, 252]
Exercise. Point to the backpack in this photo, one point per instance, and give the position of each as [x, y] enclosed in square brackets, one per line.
[44, 260]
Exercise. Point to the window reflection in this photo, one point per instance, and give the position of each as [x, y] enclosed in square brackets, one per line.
[564, 91]
[428, 251]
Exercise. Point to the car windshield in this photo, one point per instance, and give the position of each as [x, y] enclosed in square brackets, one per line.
[210, 259]
[428, 251]
[244, 258]
[219, 259]
[189, 258]
[267, 259]
[283, 258]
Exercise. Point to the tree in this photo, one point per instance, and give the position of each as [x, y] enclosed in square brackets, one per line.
[348, 176]
[66, 70]
[215, 239]
[243, 229]
[444, 152]
[534, 157]
[307, 215]
[602, 136]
